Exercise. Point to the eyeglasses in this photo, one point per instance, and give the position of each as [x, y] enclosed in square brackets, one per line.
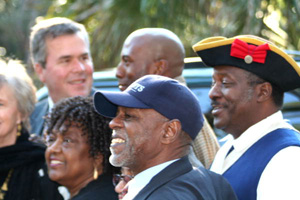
[118, 177]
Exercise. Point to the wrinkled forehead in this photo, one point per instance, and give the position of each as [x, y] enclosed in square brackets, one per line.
[231, 71]
[141, 54]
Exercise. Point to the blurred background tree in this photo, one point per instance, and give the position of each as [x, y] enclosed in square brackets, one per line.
[109, 22]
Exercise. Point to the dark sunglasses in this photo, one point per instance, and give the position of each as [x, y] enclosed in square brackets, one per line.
[118, 177]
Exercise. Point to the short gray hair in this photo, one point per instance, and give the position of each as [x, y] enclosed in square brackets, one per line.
[14, 75]
[52, 28]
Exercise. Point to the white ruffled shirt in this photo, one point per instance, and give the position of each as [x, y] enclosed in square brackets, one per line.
[280, 179]
[143, 178]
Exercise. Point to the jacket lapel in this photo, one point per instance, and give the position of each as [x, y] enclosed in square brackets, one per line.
[171, 172]
[37, 117]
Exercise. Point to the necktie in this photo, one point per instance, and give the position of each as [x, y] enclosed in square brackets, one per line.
[230, 150]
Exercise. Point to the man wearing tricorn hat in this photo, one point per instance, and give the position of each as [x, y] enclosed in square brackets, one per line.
[262, 159]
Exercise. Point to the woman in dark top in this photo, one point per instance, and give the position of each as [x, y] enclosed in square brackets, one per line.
[22, 163]
[77, 156]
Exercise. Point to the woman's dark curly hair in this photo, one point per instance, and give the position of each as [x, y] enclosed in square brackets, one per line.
[81, 111]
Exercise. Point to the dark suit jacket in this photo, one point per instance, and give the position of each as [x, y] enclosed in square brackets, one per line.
[37, 116]
[183, 182]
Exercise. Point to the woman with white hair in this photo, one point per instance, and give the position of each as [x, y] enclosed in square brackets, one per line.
[21, 161]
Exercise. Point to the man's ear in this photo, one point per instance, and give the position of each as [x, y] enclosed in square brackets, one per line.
[39, 71]
[160, 66]
[264, 91]
[171, 131]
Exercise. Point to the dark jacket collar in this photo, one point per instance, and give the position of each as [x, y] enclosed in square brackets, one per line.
[174, 170]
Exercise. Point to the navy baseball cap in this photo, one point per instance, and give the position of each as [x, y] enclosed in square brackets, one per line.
[165, 95]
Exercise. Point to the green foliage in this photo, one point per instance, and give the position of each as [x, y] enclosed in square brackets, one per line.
[16, 17]
[109, 22]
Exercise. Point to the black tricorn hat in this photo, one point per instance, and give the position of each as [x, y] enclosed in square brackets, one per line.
[253, 54]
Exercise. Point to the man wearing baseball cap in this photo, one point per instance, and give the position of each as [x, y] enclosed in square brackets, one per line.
[154, 122]
[262, 159]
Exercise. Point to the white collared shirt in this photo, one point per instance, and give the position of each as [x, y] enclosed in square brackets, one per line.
[50, 103]
[143, 178]
[280, 178]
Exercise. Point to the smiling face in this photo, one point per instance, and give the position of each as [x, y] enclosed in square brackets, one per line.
[69, 68]
[137, 60]
[68, 158]
[233, 100]
[10, 116]
[136, 138]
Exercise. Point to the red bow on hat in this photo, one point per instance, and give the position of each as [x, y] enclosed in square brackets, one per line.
[248, 52]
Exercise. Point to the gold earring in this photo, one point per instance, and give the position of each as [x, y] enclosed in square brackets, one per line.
[95, 173]
[19, 128]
